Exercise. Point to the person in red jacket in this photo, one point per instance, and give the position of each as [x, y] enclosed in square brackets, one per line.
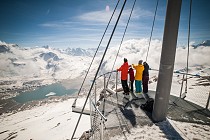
[124, 76]
[131, 74]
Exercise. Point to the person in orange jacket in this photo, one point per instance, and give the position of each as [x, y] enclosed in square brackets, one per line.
[138, 76]
[124, 76]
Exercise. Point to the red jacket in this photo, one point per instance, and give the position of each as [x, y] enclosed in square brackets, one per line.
[124, 71]
[131, 73]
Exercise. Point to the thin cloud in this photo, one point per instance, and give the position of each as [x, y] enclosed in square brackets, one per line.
[88, 26]
[58, 24]
[104, 16]
[99, 18]
[96, 16]
[48, 11]
[140, 13]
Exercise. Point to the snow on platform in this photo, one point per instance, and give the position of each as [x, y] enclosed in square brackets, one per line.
[125, 113]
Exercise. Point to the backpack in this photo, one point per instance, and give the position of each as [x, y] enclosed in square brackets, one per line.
[148, 106]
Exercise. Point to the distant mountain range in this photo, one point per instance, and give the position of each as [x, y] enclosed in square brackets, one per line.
[42, 62]
[4, 47]
[73, 62]
[205, 43]
[82, 52]
[76, 52]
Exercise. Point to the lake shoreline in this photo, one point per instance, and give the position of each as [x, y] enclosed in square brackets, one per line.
[11, 106]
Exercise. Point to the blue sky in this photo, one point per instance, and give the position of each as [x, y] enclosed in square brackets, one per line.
[81, 23]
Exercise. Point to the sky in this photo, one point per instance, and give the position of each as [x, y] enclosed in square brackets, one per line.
[81, 23]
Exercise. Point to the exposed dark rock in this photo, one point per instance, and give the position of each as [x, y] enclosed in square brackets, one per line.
[4, 48]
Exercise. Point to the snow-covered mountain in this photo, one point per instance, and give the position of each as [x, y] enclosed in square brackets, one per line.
[82, 52]
[76, 52]
[49, 63]
[49, 55]
[205, 43]
[3, 49]
[39, 62]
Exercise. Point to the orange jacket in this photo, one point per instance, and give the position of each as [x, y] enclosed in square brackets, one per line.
[139, 71]
[124, 71]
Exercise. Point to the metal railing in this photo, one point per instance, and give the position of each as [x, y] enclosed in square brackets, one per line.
[97, 117]
[200, 92]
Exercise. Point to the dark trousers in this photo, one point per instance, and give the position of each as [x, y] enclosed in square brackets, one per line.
[131, 86]
[125, 86]
[145, 80]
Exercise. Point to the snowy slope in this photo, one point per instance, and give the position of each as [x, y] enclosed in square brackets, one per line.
[44, 65]
[48, 122]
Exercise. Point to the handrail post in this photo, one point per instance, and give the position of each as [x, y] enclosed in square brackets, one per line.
[102, 130]
[207, 104]
[95, 92]
[103, 110]
[91, 123]
[181, 86]
[186, 85]
[116, 86]
[104, 85]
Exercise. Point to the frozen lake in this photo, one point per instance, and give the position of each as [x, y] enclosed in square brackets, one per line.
[56, 89]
